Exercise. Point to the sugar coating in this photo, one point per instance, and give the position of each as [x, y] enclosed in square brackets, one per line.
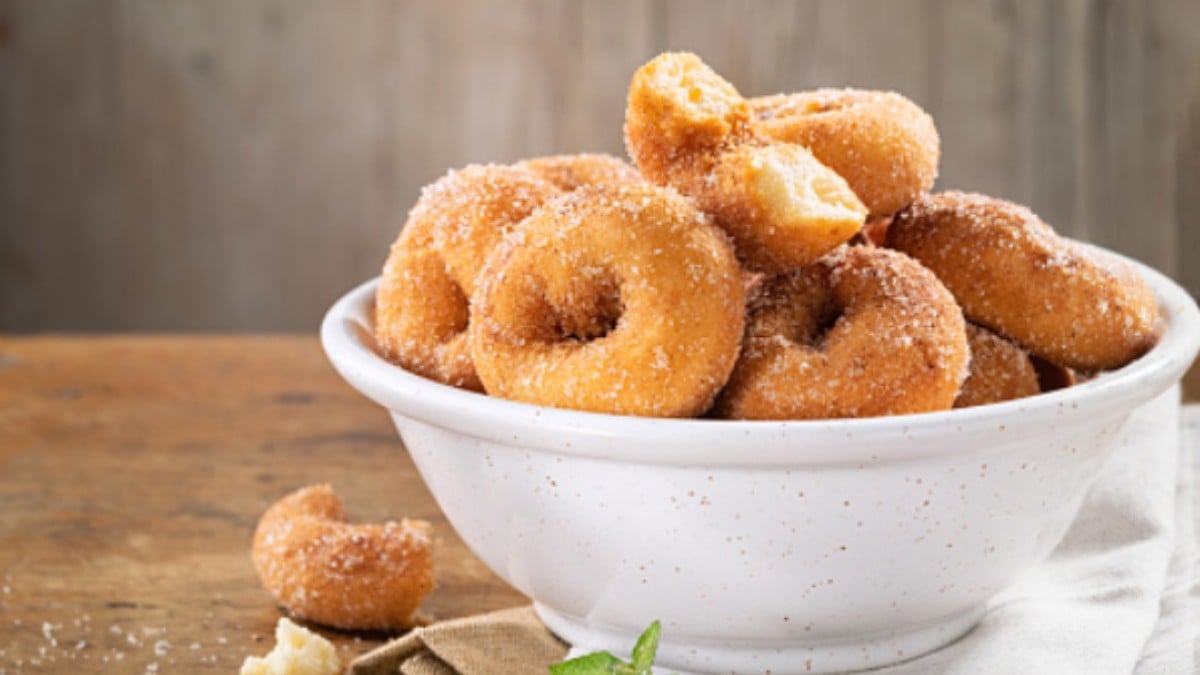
[571, 172]
[369, 576]
[297, 652]
[862, 332]
[1013, 274]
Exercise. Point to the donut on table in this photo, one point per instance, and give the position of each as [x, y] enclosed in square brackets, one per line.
[1010, 272]
[620, 299]
[862, 332]
[421, 305]
[999, 370]
[570, 172]
[687, 127]
[884, 145]
[354, 577]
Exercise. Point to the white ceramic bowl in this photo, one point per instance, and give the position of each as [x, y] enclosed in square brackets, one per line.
[761, 546]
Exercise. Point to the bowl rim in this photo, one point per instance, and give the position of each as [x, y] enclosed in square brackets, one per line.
[345, 331]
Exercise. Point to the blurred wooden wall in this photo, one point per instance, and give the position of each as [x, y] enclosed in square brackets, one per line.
[237, 164]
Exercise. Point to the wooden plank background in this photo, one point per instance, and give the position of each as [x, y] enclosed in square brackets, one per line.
[237, 164]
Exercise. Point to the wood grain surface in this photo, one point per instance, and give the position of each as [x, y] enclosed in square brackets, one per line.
[237, 164]
[133, 472]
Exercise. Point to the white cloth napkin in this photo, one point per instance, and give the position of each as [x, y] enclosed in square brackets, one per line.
[1120, 593]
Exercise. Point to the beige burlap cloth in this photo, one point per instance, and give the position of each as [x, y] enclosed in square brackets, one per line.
[508, 641]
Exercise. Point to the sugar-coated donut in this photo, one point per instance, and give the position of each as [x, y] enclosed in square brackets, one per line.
[884, 145]
[368, 577]
[999, 370]
[617, 299]
[570, 172]
[687, 127]
[1010, 272]
[862, 332]
[421, 304]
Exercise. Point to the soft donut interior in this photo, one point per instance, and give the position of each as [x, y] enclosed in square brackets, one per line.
[694, 89]
[789, 181]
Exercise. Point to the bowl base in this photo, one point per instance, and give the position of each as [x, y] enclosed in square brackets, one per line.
[778, 658]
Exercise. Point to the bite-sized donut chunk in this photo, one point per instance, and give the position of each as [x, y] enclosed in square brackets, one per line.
[687, 127]
[1010, 272]
[615, 299]
[570, 172]
[355, 577]
[782, 207]
[884, 145]
[679, 115]
[862, 332]
[421, 304]
[999, 370]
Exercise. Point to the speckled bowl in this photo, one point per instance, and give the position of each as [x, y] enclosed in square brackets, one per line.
[761, 546]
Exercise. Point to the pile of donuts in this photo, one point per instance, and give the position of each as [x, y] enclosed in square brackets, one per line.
[768, 258]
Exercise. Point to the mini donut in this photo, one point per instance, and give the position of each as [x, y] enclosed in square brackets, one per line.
[1010, 272]
[687, 127]
[618, 299]
[354, 577]
[421, 303]
[884, 145]
[999, 370]
[570, 172]
[862, 332]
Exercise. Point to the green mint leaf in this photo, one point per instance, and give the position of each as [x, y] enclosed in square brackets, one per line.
[596, 663]
[646, 648]
[603, 663]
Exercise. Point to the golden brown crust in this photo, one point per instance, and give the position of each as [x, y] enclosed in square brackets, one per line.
[421, 318]
[884, 145]
[355, 577]
[473, 208]
[571, 172]
[615, 299]
[1011, 273]
[421, 305]
[687, 127]
[1000, 370]
[863, 332]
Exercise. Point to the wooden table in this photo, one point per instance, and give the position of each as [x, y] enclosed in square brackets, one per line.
[133, 471]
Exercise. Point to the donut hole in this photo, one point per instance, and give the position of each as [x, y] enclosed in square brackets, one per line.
[799, 307]
[593, 313]
[458, 311]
